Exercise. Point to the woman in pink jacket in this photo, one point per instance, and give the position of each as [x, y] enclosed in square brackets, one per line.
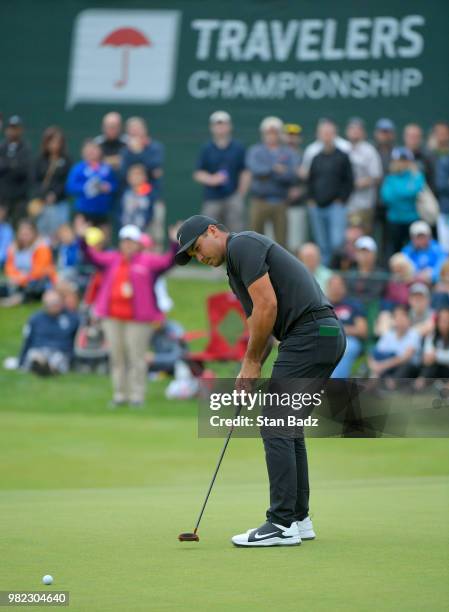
[126, 303]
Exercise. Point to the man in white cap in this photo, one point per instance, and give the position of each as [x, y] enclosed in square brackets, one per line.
[273, 168]
[425, 253]
[220, 169]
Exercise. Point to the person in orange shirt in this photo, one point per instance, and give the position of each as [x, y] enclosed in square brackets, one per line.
[29, 267]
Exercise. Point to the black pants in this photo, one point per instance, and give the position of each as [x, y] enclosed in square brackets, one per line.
[304, 353]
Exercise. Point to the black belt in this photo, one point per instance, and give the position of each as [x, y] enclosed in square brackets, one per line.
[313, 315]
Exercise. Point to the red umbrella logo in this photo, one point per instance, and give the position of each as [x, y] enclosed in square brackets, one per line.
[125, 38]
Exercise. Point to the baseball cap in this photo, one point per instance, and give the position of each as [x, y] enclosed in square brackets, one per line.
[220, 117]
[419, 288]
[402, 153]
[420, 227]
[292, 128]
[188, 233]
[386, 125]
[366, 242]
[14, 120]
[130, 232]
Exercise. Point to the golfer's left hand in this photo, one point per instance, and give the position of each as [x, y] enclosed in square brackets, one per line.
[249, 372]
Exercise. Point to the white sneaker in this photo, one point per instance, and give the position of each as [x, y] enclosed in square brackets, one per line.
[305, 528]
[269, 534]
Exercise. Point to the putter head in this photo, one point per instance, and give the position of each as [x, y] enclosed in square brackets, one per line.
[188, 537]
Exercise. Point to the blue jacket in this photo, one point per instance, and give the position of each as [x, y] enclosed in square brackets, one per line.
[83, 183]
[6, 237]
[399, 192]
[432, 257]
[267, 183]
[442, 182]
[46, 331]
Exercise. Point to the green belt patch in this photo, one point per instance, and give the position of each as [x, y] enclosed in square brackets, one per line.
[329, 330]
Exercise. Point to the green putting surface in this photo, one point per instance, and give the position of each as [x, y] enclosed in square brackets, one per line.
[97, 498]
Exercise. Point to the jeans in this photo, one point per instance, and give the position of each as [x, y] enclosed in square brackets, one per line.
[353, 350]
[52, 217]
[328, 225]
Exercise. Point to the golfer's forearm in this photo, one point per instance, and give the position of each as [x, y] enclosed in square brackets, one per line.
[261, 326]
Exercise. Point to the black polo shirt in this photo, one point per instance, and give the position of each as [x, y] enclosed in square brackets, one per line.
[249, 256]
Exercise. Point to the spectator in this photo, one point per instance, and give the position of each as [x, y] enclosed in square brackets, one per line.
[399, 192]
[344, 258]
[137, 200]
[413, 141]
[167, 347]
[127, 305]
[67, 253]
[421, 313]
[273, 171]
[440, 297]
[69, 294]
[317, 146]
[425, 253]
[352, 315]
[384, 139]
[29, 267]
[396, 352]
[297, 220]
[93, 183]
[220, 169]
[48, 337]
[6, 235]
[15, 171]
[367, 282]
[441, 135]
[436, 352]
[111, 141]
[310, 256]
[367, 170]
[330, 183]
[401, 278]
[50, 176]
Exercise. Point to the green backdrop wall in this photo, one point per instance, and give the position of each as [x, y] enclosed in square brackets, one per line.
[298, 60]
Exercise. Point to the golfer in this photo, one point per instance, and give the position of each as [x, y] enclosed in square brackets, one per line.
[280, 298]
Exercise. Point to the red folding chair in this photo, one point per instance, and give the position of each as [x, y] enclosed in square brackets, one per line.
[228, 331]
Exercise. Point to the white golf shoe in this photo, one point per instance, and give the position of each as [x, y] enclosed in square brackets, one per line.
[269, 534]
[306, 529]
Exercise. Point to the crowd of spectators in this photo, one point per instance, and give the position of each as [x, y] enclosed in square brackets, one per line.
[369, 219]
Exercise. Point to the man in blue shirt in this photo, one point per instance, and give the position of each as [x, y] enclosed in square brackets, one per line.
[220, 169]
[426, 254]
[273, 168]
[49, 337]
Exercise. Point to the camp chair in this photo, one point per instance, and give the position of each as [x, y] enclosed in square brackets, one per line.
[228, 332]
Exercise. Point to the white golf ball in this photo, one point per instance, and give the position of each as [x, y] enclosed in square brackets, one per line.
[47, 579]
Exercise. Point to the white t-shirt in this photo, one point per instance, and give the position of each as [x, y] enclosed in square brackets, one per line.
[390, 342]
[366, 162]
[441, 351]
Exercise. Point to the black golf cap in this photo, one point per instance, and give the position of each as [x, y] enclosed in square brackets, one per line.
[188, 233]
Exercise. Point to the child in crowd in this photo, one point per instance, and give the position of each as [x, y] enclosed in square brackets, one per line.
[137, 200]
[67, 253]
[436, 352]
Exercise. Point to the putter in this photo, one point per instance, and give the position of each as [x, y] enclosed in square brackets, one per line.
[193, 536]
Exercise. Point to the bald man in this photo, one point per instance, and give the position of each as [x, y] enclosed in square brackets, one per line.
[310, 256]
[112, 141]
